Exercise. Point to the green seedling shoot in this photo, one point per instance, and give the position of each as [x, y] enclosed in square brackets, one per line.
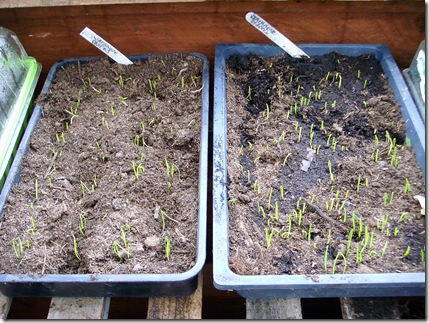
[309, 232]
[82, 223]
[137, 169]
[349, 241]
[331, 174]
[391, 197]
[32, 227]
[407, 252]
[115, 249]
[358, 184]
[422, 256]
[282, 191]
[164, 215]
[104, 122]
[269, 236]
[334, 266]
[403, 216]
[18, 248]
[300, 134]
[286, 158]
[383, 252]
[325, 258]
[75, 248]
[276, 212]
[167, 245]
[83, 188]
[407, 188]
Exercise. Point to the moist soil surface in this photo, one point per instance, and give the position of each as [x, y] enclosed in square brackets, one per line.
[110, 182]
[321, 176]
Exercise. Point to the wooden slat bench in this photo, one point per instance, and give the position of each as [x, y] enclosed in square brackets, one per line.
[98, 307]
[190, 307]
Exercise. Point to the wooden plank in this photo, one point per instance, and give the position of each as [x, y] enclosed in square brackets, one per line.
[56, 3]
[52, 33]
[177, 308]
[5, 303]
[273, 309]
[89, 308]
[370, 308]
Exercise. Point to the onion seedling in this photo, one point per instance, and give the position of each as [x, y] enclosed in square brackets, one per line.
[383, 252]
[282, 191]
[407, 252]
[82, 223]
[167, 245]
[163, 216]
[137, 169]
[407, 188]
[384, 224]
[335, 262]
[358, 184]
[286, 158]
[32, 227]
[75, 249]
[349, 241]
[299, 134]
[395, 231]
[331, 174]
[403, 216]
[83, 187]
[422, 256]
[276, 212]
[309, 233]
[325, 258]
[341, 79]
[115, 249]
[269, 236]
[391, 197]
[18, 248]
[112, 109]
[104, 122]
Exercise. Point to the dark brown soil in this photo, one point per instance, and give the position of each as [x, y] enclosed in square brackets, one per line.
[283, 134]
[93, 213]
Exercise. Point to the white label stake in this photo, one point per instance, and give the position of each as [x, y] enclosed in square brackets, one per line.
[105, 47]
[278, 38]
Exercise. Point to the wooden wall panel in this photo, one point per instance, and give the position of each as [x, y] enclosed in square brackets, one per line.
[52, 33]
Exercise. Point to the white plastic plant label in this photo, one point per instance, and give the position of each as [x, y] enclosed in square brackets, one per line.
[105, 47]
[278, 38]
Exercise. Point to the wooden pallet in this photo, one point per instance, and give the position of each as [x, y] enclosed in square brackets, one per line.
[96, 308]
[190, 307]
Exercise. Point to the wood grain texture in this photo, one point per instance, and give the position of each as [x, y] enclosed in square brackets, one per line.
[177, 308]
[56, 3]
[372, 308]
[85, 308]
[52, 33]
[5, 303]
[273, 309]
